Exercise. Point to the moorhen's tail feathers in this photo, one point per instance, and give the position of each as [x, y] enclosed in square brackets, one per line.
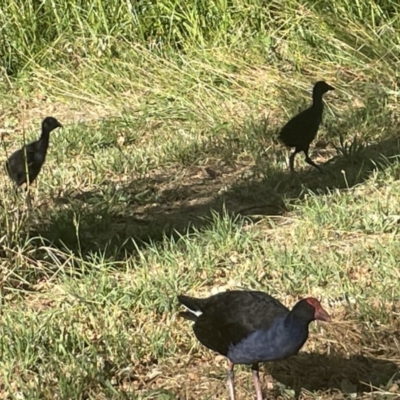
[192, 305]
[188, 315]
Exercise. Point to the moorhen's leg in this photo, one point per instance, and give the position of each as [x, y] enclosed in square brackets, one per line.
[291, 160]
[309, 161]
[256, 380]
[231, 385]
[28, 199]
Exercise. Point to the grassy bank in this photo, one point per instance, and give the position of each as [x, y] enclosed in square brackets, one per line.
[167, 179]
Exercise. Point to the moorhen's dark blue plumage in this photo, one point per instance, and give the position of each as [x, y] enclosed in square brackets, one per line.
[249, 327]
[301, 130]
[17, 165]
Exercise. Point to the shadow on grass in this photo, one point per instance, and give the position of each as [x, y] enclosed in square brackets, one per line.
[306, 376]
[176, 201]
[319, 372]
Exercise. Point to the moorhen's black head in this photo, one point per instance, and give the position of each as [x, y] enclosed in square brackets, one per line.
[310, 309]
[322, 87]
[50, 123]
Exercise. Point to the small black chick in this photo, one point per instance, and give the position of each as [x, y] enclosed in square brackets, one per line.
[35, 155]
[301, 130]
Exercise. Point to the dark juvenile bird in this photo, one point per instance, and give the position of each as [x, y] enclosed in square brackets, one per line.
[18, 164]
[249, 327]
[301, 130]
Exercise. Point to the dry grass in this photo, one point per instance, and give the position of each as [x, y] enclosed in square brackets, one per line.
[167, 179]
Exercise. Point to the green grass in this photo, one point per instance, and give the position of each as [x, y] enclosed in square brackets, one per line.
[167, 178]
